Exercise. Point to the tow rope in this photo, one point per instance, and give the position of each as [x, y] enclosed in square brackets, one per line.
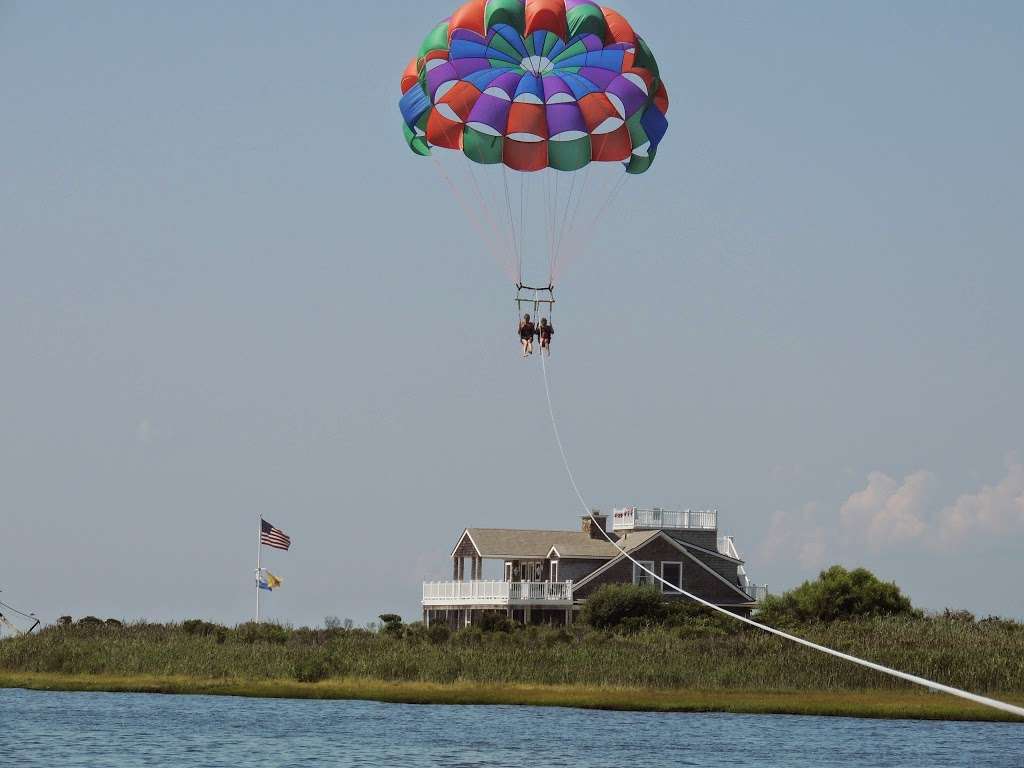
[930, 684]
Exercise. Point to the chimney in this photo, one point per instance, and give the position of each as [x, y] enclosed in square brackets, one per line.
[589, 527]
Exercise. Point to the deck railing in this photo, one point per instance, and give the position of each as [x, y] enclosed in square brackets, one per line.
[496, 592]
[631, 518]
[758, 592]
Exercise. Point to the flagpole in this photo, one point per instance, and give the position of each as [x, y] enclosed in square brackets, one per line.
[259, 569]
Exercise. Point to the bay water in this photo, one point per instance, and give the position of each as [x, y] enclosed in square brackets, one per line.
[122, 730]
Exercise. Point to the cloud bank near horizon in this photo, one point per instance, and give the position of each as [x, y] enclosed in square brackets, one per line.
[888, 514]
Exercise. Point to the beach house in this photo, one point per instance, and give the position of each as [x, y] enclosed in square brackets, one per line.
[545, 577]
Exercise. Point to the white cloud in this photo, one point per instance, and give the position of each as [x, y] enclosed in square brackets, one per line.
[888, 513]
[795, 535]
[995, 509]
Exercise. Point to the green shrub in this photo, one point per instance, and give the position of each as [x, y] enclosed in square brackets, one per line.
[392, 624]
[624, 604]
[438, 634]
[495, 622]
[253, 633]
[837, 594]
[312, 669]
[200, 628]
[468, 636]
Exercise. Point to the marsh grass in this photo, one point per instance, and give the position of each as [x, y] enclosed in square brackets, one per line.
[984, 657]
[873, 703]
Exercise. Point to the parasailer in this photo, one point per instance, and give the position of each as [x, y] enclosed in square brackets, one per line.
[537, 92]
[544, 332]
[527, 330]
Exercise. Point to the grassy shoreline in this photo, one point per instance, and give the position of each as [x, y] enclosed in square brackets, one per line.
[698, 666]
[882, 704]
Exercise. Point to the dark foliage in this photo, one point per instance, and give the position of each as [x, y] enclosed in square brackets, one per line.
[835, 595]
[392, 624]
[495, 622]
[626, 605]
[253, 633]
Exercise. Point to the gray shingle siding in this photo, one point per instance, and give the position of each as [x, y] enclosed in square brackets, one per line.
[574, 570]
[726, 568]
[706, 539]
[695, 578]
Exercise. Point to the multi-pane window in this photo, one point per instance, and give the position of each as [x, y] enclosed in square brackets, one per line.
[673, 574]
[642, 575]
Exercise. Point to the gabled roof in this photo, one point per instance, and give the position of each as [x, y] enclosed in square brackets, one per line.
[706, 551]
[513, 544]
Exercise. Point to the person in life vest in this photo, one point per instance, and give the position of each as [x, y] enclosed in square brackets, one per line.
[527, 330]
[545, 331]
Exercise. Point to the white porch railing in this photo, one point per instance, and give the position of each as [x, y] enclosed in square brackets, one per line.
[631, 518]
[497, 592]
[758, 592]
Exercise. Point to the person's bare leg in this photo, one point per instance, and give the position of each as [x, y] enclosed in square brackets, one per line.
[525, 344]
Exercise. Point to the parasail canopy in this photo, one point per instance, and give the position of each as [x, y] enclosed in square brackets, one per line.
[536, 84]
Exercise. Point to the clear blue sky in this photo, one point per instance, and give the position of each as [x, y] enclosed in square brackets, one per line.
[228, 290]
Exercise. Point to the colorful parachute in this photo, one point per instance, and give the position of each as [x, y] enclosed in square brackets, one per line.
[536, 84]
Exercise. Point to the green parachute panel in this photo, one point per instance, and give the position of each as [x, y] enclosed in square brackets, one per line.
[482, 148]
[437, 40]
[645, 59]
[511, 12]
[569, 155]
[638, 137]
[499, 43]
[417, 144]
[587, 19]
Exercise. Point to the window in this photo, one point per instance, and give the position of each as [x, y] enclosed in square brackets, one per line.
[554, 571]
[508, 571]
[673, 574]
[642, 577]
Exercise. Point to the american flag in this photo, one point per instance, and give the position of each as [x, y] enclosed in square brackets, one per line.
[274, 537]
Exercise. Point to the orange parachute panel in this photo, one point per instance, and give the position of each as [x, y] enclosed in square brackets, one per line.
[596, 108]
[661, 99]
[461, 99]
[470, 16]
[619, 30]
[411, 76]
[526, 156]
[442, 132]
[611, 147]
[546, 16]
[530, 119]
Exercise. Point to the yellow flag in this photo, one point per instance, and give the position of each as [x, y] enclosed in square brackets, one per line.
[272, 581]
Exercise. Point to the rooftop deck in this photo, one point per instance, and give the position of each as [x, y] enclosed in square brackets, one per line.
[634, 519]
